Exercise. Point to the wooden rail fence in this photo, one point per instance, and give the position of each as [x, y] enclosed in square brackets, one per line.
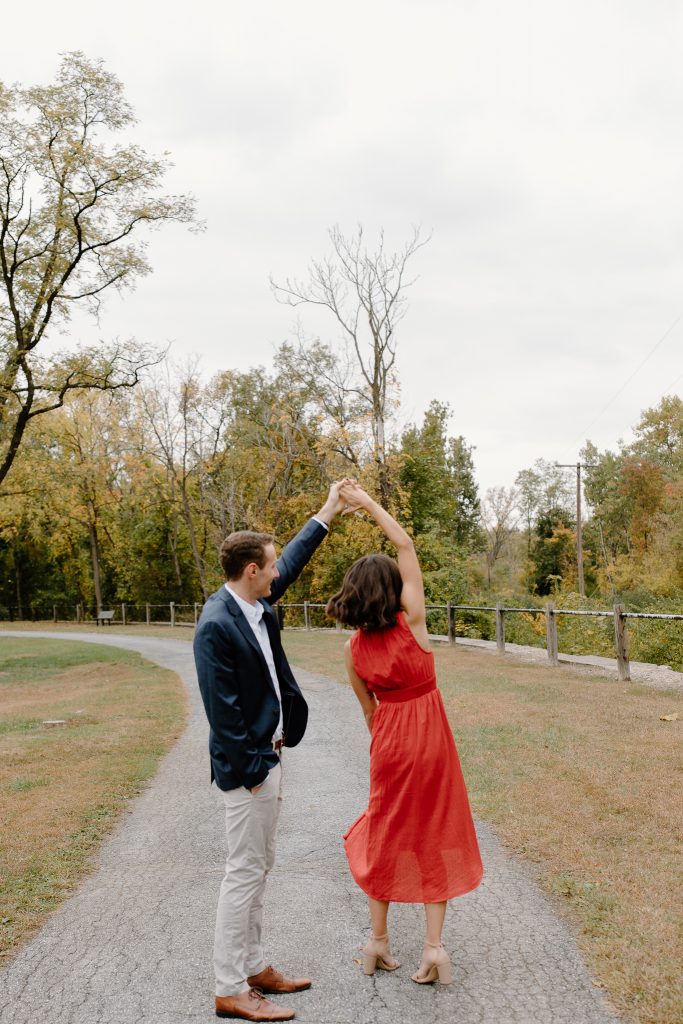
[618, 614]
[177, 614]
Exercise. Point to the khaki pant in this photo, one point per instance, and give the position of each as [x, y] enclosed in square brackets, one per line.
[250, 822]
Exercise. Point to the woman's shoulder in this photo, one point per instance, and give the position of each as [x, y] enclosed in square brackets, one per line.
[414, 631]
[352, 643]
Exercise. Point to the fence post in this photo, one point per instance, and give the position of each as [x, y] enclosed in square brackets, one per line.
[79, 612]
[621, 640]
[123, 613]
[196, 613]
[54, 612]
[500, 628]
[551, 633]
[307, 616]
[148, 614]
[451, 622]
[280, 616]
[172, 607]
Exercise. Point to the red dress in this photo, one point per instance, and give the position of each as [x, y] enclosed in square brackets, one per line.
[416, 842]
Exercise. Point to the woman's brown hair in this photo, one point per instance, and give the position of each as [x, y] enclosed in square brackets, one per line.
[370, 597]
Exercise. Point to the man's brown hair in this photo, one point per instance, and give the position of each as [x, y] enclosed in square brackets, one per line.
[241, 548]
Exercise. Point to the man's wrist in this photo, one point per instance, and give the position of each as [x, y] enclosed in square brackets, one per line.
[326, 515]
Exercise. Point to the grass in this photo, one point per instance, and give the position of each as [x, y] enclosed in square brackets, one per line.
[160, 631]
[581, 778]
[62, 787]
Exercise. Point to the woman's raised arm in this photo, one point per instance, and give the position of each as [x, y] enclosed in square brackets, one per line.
[412, 594]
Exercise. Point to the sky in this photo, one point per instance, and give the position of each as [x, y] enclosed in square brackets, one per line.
[540, 143]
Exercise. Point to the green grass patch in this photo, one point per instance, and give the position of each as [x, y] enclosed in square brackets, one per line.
[62, 787]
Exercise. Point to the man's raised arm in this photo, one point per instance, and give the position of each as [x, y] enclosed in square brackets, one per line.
[296, 555]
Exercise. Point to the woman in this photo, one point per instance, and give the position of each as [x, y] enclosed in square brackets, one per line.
[416, 842]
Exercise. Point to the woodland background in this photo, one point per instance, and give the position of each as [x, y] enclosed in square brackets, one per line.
[121, 471]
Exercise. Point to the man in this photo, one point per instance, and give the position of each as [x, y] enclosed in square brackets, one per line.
[254, 707]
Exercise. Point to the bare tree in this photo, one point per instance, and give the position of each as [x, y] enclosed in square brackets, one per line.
[70, 209]
[327, 378]
[499, 515]
[365, 292]
[541, 488]
[171, 403]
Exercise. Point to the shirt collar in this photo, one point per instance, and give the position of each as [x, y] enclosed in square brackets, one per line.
[252, 612]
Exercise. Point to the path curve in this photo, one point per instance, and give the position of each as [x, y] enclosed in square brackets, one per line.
[134, 942]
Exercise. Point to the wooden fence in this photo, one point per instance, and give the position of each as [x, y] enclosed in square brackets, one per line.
[618, 614]
[176, 614]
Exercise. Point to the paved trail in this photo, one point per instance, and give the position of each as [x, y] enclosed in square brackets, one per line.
[134, 943]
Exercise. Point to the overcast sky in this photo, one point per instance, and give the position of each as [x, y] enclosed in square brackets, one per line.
[541, 142]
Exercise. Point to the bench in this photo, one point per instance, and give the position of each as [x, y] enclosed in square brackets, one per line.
[103, 617]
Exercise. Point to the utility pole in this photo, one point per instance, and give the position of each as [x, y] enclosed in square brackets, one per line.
[579, 540]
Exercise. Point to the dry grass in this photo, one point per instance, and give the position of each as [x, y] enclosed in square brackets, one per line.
[159, 630]
[63, 786]
[581, 777]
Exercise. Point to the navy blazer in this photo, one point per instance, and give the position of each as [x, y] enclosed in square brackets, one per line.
[237, 690]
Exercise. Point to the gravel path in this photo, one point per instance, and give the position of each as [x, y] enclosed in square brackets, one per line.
[134, 942]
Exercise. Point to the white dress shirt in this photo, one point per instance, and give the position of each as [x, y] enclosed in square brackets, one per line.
[253, 613]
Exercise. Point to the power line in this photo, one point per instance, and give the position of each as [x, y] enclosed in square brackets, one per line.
[614, 397]
[672, 386]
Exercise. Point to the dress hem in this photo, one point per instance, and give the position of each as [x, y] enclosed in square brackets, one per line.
[452, 894]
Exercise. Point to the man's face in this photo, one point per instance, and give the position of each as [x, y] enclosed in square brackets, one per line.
[263, 578]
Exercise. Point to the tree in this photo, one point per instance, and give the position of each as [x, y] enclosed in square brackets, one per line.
[541, 488]
[553, 554]
[181, 438]
[437, 476]
[528, 484]
[365, 292]
[465, 492]
[71, 206]
[499, 515]
[643, 486]
[90, 445]
[69, 469]
[324, 380]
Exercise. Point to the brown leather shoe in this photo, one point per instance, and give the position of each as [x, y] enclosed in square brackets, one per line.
[251, 1005]
[272, 981]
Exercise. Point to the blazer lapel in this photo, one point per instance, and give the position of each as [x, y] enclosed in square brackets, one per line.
[272, 627]
[247, 632]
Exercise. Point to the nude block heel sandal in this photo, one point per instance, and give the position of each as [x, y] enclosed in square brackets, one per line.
[376, 956]
[434, 966]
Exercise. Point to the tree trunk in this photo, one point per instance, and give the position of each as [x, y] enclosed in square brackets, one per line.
[95, 556]
[380, 455]
[231, 504]
[187, 516]
[17, 575]
[174, 538]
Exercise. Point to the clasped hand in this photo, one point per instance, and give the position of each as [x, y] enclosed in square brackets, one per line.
[353, 495]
